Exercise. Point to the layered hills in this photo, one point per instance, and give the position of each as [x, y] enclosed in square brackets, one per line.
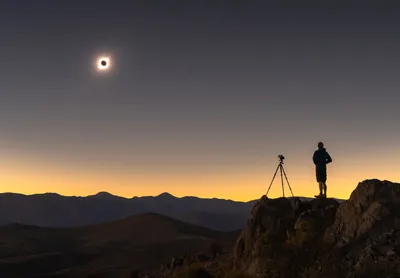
[114, 249]
[53, 210]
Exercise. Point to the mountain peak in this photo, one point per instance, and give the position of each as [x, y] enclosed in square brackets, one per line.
[166, 195]
[105, 195]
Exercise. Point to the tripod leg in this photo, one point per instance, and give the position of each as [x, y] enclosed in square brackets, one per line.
[272, 180]
[283, 189]
[287, 181]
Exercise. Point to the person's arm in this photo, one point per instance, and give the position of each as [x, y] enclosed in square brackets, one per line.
[314, 158]
[328, 158]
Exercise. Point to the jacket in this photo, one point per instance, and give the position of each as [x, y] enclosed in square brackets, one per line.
[321, 157]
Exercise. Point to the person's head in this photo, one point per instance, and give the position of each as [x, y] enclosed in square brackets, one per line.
[320, 145]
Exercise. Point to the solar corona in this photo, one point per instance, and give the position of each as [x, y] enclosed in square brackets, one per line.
[103, 63]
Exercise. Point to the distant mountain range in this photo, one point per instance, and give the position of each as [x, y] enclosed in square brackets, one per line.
[54, 210]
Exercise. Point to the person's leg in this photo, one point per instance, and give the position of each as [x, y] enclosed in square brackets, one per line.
[320, 190]
[323, 178]
[320, 178]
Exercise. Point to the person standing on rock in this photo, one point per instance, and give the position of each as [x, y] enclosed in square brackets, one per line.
[321, 157]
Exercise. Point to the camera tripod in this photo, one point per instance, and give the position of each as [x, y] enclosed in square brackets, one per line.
[282, 170]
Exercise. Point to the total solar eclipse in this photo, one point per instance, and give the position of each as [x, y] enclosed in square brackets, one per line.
[103, 63]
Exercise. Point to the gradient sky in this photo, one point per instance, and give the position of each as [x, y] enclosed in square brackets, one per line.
[201, 99]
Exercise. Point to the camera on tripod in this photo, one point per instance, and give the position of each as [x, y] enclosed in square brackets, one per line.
[283, 173]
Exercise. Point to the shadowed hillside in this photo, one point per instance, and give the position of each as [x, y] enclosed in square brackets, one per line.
[111, 249]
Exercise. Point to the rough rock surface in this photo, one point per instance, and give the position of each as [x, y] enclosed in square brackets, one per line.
[275, 221]
[355, 238]
[367, 229]
[373, 209]
[311, 224]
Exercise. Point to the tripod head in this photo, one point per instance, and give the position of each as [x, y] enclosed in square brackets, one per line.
[281, 158]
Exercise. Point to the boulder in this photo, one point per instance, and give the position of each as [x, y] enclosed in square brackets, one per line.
[274, 221]
[373, 209]
[311, 224]
[269, 221]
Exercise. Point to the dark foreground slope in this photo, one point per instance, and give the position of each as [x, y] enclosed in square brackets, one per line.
[359, 237]
[108, 250]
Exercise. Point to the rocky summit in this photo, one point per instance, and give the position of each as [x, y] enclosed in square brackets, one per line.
[285, 237]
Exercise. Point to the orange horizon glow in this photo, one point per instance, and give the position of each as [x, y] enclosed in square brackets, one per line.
[238, 185]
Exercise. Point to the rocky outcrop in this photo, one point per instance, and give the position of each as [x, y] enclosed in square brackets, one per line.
[269, 220]
[367, 228]
[311, 224]
[373, 209]
[273, 222]
[322, 238]
[385, 249]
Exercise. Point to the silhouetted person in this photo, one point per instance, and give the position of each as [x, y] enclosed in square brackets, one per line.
[321, 157]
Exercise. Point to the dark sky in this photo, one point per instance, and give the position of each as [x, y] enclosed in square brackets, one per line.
[201, 95]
